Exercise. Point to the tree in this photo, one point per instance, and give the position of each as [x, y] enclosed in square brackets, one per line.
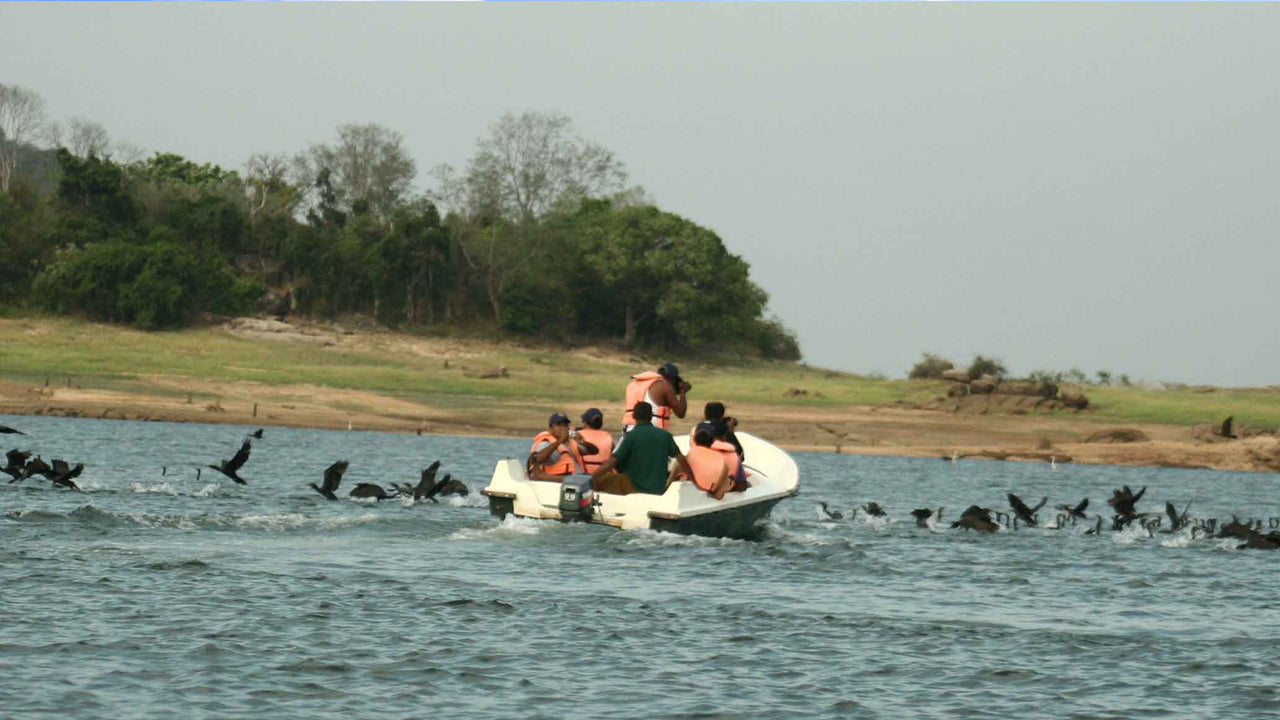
[528, 165]
[1104, 378]
[930, 367]
[86, 137]
[21, 116]
[534, 161]
[983, 365]
[368, 165]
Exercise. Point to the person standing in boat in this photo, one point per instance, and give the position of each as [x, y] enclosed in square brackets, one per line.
[710, 472]
[558, 451]
[641, 457]
[663, 391]
[592, 432]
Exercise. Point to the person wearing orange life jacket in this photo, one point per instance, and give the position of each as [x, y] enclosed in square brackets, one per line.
[727, 445]
[664, 390]
[709, 470]
[593, 421]
[714, 413]
[557, 452]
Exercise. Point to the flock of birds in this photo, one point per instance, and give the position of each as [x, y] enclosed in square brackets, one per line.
[1123, 502]
[21, 466]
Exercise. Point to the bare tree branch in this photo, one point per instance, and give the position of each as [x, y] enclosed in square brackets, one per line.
[21, 117]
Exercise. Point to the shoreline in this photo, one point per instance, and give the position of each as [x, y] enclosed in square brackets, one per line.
[861, 430]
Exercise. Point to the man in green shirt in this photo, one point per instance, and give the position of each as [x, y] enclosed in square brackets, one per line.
[642, 456]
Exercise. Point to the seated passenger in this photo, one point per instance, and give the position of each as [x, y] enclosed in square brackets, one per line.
[593, 421]
[732, 456]
[714, 413]
[557, 452]
[641, 457]
[709, 470]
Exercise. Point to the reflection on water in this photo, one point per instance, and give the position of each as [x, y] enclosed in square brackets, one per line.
[152, 591]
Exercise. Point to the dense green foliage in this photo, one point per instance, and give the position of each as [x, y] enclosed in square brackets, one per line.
[550, 244]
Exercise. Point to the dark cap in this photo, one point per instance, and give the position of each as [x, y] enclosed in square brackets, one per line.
[591, 414]
[557, 418]
[704, 434]
[669, 370]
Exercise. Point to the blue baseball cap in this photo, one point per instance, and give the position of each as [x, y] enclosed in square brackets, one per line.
[557, 418]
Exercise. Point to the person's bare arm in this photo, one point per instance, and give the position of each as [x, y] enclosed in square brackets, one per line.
[672, 397]
[684, 465]
[606, 467]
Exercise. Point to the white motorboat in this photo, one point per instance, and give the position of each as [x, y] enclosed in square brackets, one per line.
[683, 508]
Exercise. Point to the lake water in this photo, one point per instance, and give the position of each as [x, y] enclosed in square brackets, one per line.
[153, 596]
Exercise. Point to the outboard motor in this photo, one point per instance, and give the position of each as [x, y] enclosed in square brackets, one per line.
[576, 498]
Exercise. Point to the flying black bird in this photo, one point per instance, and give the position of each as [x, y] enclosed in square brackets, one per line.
[37, 467]
[229, 467]
[1026, 514]
[370, 490]
[452, 486]
[1124, 502]
[6, 430]
[448, 486]
[427, 483]
[1176, 521]
[976, 518]
[64, 479]
[1225, 429]
[1077, 511]
[873, 509]
[922, 516]
[17, 460]
[830, 514]
[256, 434]
[332, 478]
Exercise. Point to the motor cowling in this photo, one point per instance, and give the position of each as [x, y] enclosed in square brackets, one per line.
[577, 498]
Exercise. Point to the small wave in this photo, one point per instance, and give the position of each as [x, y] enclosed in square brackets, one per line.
[34, 516]
[163, 488]
[189, 565]
[1180, 540]
[470, 500]
[642, 537]
[298, 521]
[876, 523]
[208, 490]
[510, 525]
[1129, 535]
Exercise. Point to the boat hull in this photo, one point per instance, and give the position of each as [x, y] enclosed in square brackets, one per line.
[682, 509]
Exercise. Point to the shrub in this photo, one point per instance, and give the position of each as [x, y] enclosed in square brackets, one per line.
[930, 367]
[774, 341]
[982, 365]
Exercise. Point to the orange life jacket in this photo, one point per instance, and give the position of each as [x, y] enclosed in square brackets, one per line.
[707, 466]
[637, 389]
[570, 462]
[604, 447]
[730, 455]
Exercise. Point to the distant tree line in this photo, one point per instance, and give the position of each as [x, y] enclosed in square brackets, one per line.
[538, 235]
[932, 366]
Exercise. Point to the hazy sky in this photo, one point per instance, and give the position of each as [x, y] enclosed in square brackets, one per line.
[1058, 186]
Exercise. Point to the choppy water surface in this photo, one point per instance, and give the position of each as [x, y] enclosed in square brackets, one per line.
[147, 595]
